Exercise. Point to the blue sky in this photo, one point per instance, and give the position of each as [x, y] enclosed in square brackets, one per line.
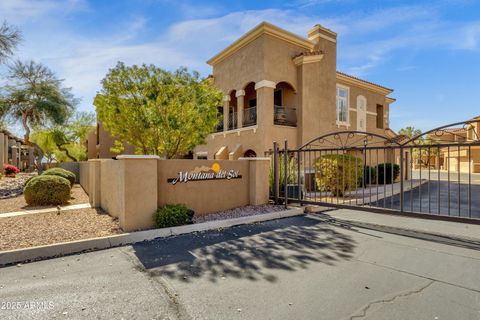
[428, 51]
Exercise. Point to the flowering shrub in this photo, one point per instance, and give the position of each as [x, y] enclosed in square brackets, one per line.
[10, 170]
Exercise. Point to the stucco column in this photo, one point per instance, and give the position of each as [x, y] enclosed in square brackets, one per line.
[259, 169]
[226, 109]
[264, 90]
[240, 94]
[19, 161]
[11, 143]
[140, 196]
[31, 158]
[15, 155]
[2, 151]
[5, 150]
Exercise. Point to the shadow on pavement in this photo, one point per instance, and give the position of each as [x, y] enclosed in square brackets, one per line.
[246, 252]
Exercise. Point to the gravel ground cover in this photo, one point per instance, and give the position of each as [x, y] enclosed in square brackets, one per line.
[238, 213]
[12, 187]
[48, 228]
[18, 203]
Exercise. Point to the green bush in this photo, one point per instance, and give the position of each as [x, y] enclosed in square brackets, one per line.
[292, 172]
[172, 215]
[70, 176]
[370, 176]
[384, 172]
[337, 173]
[47, 190]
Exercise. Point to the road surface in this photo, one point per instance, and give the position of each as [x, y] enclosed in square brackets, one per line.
[295, 268]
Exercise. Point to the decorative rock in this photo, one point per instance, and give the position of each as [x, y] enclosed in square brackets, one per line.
[12, 187]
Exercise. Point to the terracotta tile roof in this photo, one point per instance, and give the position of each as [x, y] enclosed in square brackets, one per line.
[454, 129]
[309, 53]
[399, 138]
[355, 78]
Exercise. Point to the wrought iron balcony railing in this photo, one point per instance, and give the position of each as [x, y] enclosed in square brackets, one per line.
[250, 116]
[232, 121]
[285, 116]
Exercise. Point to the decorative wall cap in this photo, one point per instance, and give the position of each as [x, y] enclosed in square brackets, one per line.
[265, 83]
[304, 59]
[240, 93]
[137, 157]
[321, 32]
[255, 158]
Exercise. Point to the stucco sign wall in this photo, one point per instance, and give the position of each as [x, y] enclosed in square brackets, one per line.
[204, 173]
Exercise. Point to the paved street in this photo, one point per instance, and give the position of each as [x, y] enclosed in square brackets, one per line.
[295, 268]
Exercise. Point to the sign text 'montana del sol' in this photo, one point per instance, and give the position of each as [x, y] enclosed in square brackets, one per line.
[215, 172]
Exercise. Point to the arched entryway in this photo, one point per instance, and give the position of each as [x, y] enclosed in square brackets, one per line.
[250, 154]
[284, 101]
[250, 105]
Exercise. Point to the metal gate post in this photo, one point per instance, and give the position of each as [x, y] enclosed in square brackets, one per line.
[298, 178]
[275, 172]
[285, 174]
[401, 178]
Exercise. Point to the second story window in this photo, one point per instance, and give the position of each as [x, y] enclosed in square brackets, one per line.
[342, 105]
[379, 116]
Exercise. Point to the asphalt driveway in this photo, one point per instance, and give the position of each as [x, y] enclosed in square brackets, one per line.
[439, 198]
[295, 268]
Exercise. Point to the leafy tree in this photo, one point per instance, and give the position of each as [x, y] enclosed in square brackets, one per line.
[156, 111]
[35, 97]
[66, 142]
[9, 39]
[423, 155]
[410, 132]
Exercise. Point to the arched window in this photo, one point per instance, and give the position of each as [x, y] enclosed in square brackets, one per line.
[250, 154]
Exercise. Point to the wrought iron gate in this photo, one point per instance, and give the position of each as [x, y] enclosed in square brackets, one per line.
[436, 173]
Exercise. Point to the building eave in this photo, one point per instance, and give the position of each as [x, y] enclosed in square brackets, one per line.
[261, 29]
[363, 84]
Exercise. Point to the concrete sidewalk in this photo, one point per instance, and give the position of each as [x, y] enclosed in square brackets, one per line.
[454, 230]
[45, 210]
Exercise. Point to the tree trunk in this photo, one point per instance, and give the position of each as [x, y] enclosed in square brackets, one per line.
[61, 148]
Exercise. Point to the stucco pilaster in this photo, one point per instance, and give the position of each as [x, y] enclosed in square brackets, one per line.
[19, 154]
[15, 155]
[5, 149]
[240, 107]
[226, 109]
[265, 112]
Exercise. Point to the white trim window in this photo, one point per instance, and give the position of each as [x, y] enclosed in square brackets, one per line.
[342, 105]
[361, 113]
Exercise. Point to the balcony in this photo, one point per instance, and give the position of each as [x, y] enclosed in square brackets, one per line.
[219, 125]
[232, 121]
[285, 116]
[250, 116]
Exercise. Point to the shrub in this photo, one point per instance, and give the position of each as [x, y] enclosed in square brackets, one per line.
[385, 172]
[47, 190]
[292, 172]
[337, 173]
[10, 170]
[172, 215]
[70, 176]
[370, 176]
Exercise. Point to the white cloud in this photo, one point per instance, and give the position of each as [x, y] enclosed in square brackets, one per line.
[83, 62]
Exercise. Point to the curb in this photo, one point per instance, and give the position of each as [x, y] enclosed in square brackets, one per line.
[67, 248]
[466, 242]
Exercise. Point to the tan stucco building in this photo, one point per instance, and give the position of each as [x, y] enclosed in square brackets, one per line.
[278, 85]
[461, 158]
